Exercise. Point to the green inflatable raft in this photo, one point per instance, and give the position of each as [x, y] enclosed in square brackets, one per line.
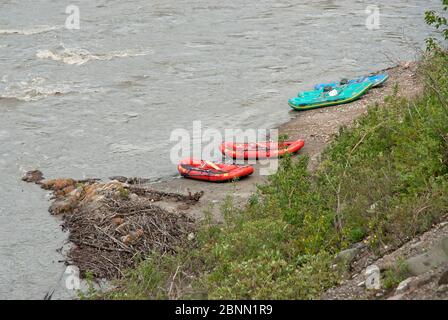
[325, 97]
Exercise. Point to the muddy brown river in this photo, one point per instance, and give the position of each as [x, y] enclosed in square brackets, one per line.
[103, 100]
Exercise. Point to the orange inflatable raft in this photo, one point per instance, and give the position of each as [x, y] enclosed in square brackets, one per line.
[210, 171]
[260, 150]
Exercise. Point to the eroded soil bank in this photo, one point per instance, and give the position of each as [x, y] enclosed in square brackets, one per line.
[416, 270]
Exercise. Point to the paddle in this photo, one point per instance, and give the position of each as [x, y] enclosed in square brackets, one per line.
[214, 166]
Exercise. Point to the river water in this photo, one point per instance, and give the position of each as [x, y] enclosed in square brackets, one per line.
[102, 100]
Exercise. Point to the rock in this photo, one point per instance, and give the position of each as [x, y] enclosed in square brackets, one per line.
[133, 180]
[90, 192]
[196, 196]
[442, 289]
[119, 178]
[435, 257]
[373, 277]
[77, 193]
[68, 190]
[443, 279]
[126, 239]
[386, 264]
[35, 176]
[406, 64]
[62, 206]
[444, 245]
[359, 245]
[416, 244]
[422, 281]
[57, 184]
[111, 186]
[64, 191]
[404, 285]
[347, 256]
[133, 197]
[137, 234]
[183, 206]
[132, 237]
[117, 221]
[136, 180]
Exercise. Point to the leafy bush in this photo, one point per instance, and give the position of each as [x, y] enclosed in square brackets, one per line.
[395, 275]
[439, 21]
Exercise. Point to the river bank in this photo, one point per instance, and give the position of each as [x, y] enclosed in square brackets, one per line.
[100, 216]
[377, 189]
[317, 127]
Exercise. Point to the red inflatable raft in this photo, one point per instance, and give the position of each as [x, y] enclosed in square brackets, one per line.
[209, 171]
[260, 150]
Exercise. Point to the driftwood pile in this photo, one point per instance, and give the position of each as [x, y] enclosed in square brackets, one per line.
[111, 225]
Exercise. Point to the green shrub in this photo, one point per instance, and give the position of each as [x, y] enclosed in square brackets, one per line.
[439, 21]
[395, 275]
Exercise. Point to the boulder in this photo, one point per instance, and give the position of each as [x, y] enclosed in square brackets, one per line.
[57, 184]
[35, 176]
[133, 197]
[404, 285]
[132, 237]
[119, 178]
[132, 180]
[435, 257]
[406, 64]
[136, 180]
[62, 206]
[117, 221]
[346, 257]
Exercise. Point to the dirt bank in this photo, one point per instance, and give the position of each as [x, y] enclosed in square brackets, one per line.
[416, 270]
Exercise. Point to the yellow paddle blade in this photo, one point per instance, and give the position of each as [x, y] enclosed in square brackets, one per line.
[211, 164]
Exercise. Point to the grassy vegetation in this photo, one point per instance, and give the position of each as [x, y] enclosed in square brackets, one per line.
[395, 275]
[382, 181]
